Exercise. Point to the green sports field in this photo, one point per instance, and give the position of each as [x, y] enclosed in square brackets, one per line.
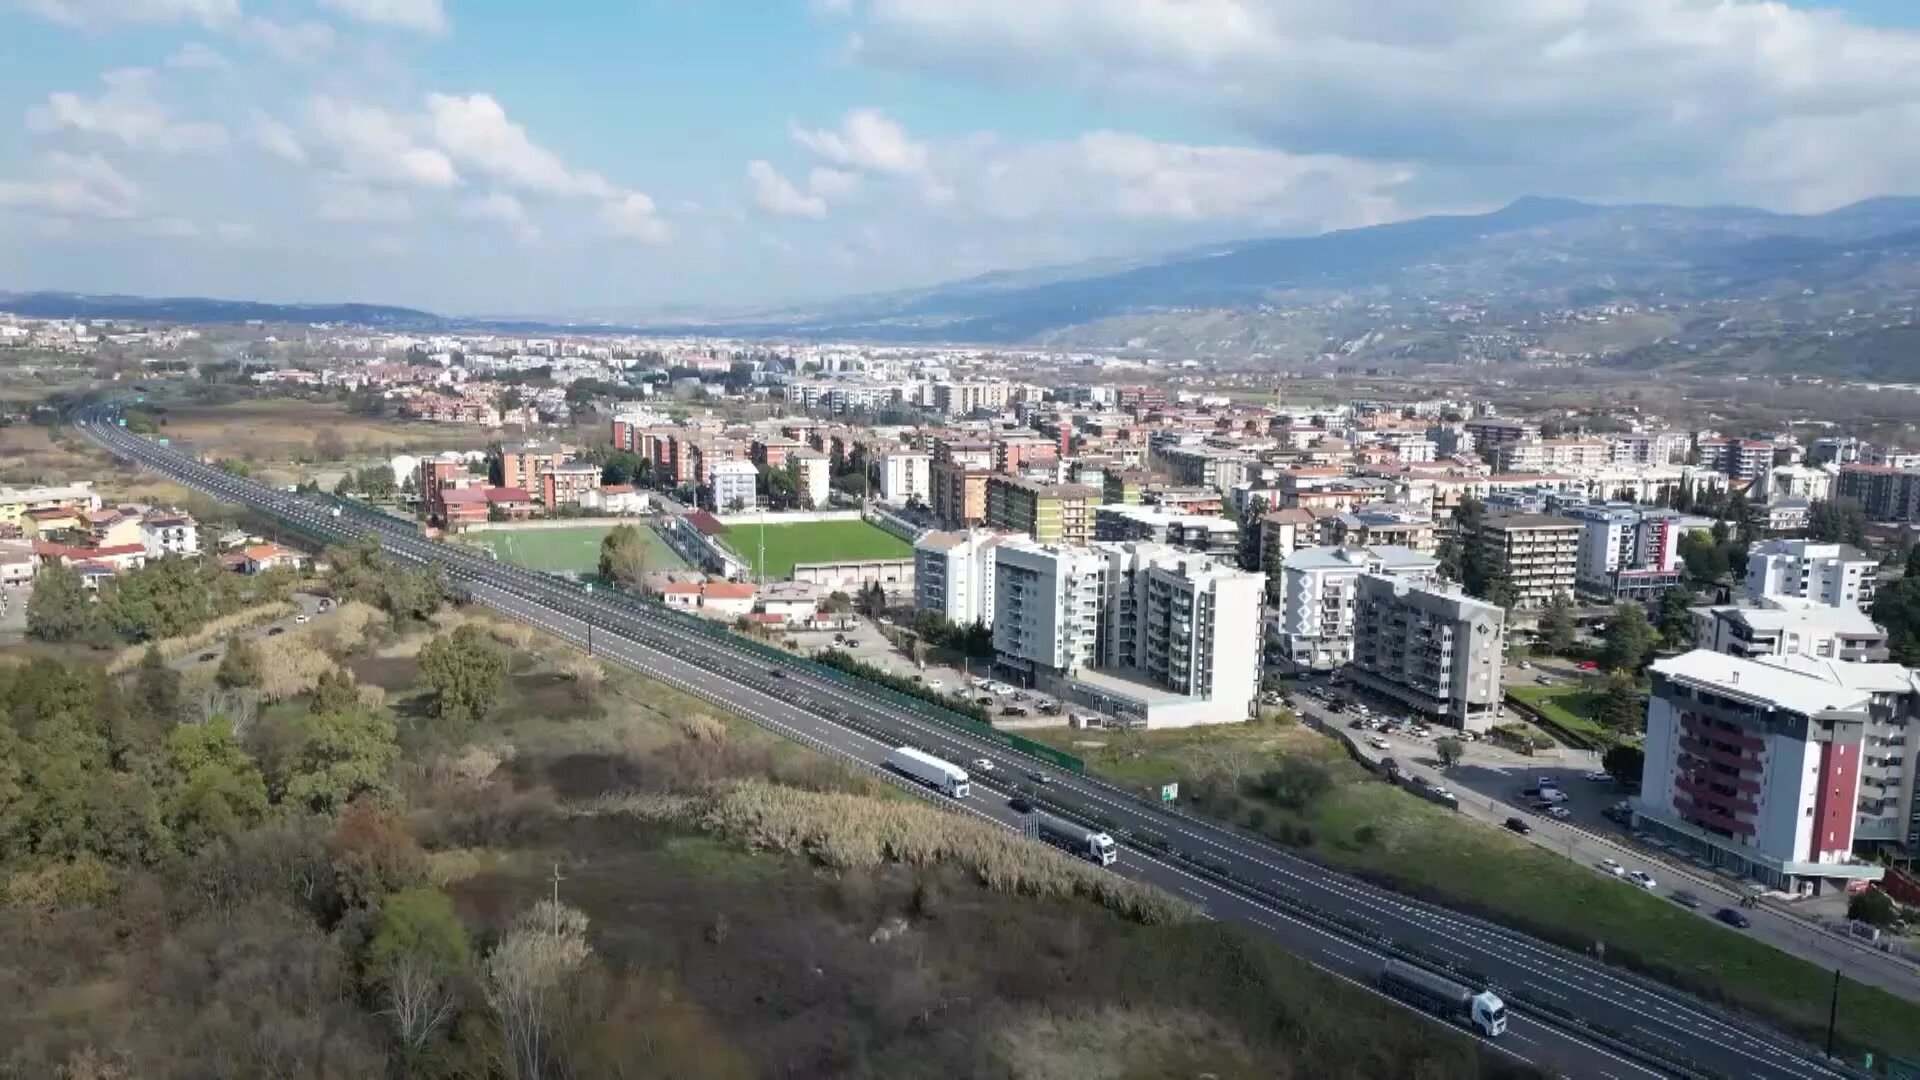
[814, 541]
[565, 551]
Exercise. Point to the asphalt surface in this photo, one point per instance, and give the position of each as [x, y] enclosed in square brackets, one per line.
[1228, 873]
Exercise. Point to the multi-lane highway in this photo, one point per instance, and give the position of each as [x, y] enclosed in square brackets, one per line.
[1339, 923]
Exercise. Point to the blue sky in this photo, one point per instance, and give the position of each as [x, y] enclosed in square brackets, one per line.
[631, 157]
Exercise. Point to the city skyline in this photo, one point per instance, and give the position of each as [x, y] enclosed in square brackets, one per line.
[656, 155]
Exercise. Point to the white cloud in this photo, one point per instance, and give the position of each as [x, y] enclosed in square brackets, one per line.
[73, 185]
[832, 184]
[170, 227]
[869, 141]
[426, 16]
[374, 144]
[776, 195]
[498, 206]
[347, 201]
[476, 132]
[300, 42]
[95, 14]
[127, 112]
[197, 56]
[277, 138]
[633, 216]
[1571, 96]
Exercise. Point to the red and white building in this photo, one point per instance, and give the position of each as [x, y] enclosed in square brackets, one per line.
[1756, 767]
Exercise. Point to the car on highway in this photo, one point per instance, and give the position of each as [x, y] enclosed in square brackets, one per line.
[1612, 866]
[1686, 898]
[1039, 777]
[1518, 825]
[981, 764]
[776, 673]
[1642, 879]
[1736, 919]
[1020, 804]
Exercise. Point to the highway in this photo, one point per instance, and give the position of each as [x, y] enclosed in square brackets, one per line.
[1227, 873]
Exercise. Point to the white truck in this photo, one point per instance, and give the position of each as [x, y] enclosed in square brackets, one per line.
[942, 776]
[1077, 840]
[1483, 1010]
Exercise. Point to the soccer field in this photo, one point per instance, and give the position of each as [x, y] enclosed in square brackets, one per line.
[814, 541]
[566, 551]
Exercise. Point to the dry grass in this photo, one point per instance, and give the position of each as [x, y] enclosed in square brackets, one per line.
[214, 631]
[857, 832]
[279, 429]
[1113, 1042]
[291, 663]
[33, 454]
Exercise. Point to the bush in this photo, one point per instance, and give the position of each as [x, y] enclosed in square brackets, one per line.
[1294, 783]
[841, 661]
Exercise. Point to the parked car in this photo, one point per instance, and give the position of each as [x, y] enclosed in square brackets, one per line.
[1683, 897]
[933, 684]
[1600, 776]
[1543, 680]
[1558, 813]
[1642, 879]
[1519, 825]
[1736, 919]
[1547, 782]
[1013, 710]
[300, 618]
[1357, 725]
[275, 631]
[1612, 866]
[1588, 665]
[1379, 743]
[776, 673]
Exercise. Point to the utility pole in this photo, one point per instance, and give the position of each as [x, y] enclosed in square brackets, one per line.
[556, 899]
[1833, 1010]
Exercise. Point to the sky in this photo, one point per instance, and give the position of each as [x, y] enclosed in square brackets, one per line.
[628, 158]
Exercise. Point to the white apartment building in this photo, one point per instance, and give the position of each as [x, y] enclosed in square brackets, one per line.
[1626, 552]
[1539, 554]
[906, 475]
[1650, 448]
[953, 575]
[962, 399]
[170, 534]
[814, 472]
[1179, 638]
[1790, 628]
[1757, 767]
[1046, 609]
[1833, 575]
[733, 485]
[1550, 455]
[1431, 648]
[1792, 482]
[1318, 590]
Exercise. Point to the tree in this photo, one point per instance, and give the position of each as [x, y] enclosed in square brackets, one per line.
[466, 673]
[1873, 907]
[166, 598]
[329, 445]
[1449, 750]
[61, 608]
[1706, 560]
[1897, 608]
[1620, 708]
[1626, 762]
[625, 556]
[216, 789]
[377, 482]
[526, 974]
[1837, 521]
[873, 601]
[337, 757]
[1913, 562]
[240, 667]
[417, 952]
[1628, 641]
[335, 691]
[1556, 625]
[1674, 618]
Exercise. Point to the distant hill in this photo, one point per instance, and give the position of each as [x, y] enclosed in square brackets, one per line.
[200, 310]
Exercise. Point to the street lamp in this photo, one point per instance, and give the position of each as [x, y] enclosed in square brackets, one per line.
[589, 618]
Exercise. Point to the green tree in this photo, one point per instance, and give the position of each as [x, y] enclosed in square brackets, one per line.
[1706, 560]
[216, 790]
[1449, 750]
[1620, 708]
[377, 482]
[156, 689]
[1913, 562]
[625, 555]
[338, 757]
[417, 922]
[1873, 907]
[61, 608]
[1674, 618]
[335, 691]
[1629, 639]
[1556, 625]
[466, 673]
[240, 667]
[1897, 608]
[1626, 762]
[166, 598]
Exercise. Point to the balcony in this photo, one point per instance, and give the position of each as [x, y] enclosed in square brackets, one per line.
[1700, 728]
[1708, 816]
[1703, 793]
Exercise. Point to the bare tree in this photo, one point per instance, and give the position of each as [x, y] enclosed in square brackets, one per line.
[419, 1001]
[525, 973]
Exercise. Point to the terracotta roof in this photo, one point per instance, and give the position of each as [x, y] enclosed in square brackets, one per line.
[615, 489]
[731, 590]
[507, 494]
[680, 588]
[263, 552]
[706, 523]
[463, 496]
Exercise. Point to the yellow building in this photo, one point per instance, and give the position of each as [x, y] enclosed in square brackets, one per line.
[1050, 513]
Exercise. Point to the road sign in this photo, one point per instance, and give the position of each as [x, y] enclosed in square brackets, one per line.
[1169, 792]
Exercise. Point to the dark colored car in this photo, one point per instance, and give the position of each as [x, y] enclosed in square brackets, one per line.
[1020, 804]
[274, 631]
[1733, 918]
[205, 656]
[776, 673]
[1519, 826]
[1039, 778]
[1013, 710]
[1686, 899]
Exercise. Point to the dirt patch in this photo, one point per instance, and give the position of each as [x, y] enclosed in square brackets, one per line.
[389, 673]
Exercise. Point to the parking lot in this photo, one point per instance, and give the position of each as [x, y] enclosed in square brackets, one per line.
[1006, 704]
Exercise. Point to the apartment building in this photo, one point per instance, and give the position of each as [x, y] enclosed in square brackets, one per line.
[972, 453]
[1626, 552]
[905, 476]
[1550, 455]
[733, 485]
[1757, 767]
[1123, 485]
[170, 533]
[1884, 494]
[1832, 575]
[1046, 609]
[1429, 647]
[1649, 448]
[1179, 641]
[1538, 554]
[1798, 629]
[1049, 513]
[1380, 525]
[522, 462]
[570, 483]
[814, 476]
[953, 574]
[15, 503]
[960, 399]
[1215, 536]
[1486, 434]
[959, 494]
[1317, 590]
[1741, 459]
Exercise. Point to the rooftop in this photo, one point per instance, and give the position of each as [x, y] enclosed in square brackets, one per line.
[1760, 684]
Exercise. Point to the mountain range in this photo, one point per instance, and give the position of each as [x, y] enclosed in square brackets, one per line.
[1533, 256]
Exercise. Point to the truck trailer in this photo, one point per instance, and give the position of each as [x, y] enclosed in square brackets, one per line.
[942, 776]
[1481, 1009]
[1077, 840]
